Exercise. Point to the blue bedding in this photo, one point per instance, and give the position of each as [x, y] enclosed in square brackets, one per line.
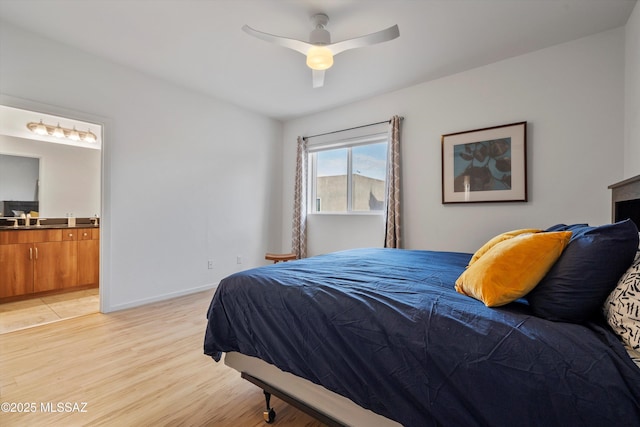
[385, 328]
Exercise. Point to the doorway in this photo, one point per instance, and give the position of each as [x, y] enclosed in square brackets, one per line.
[68, 188]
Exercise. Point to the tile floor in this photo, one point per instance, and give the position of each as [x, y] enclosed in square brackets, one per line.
[38, 311]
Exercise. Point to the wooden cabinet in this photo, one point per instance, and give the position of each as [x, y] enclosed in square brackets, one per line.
[88, 256]
[16, 269]
[54, 265]
[34, 261]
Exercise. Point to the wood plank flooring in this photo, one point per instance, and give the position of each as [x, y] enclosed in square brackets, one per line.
[137, 367]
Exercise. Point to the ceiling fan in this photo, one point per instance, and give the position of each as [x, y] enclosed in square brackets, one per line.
[319, 50]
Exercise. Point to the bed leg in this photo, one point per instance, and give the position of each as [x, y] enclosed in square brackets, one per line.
[270, 414]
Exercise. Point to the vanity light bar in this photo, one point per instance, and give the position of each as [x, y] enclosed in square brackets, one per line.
[60, 132]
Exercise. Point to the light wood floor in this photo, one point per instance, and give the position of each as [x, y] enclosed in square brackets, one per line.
[52, 308]
[137, 367]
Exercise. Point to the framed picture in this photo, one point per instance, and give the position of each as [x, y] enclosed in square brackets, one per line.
[485, 165]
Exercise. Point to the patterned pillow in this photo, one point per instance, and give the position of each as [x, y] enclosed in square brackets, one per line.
[622, 307]
[633, 354]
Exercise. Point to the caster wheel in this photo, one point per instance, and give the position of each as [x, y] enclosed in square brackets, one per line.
[269, 416]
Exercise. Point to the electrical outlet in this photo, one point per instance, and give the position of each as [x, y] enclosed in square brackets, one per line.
[210, 264]
[238, 259]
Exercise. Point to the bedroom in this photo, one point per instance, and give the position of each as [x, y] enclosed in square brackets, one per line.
[554, 89]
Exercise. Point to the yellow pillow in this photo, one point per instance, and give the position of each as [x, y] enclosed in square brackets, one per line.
[512, 268]
[500, 238]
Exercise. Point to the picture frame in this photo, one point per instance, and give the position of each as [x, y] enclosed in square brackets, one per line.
[485, 165]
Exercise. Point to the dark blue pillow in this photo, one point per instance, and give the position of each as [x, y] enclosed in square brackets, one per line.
[565, 227]
[577, 285]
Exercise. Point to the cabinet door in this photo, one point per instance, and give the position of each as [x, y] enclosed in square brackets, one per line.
[16, 270]
[55, 265]
[88, 262]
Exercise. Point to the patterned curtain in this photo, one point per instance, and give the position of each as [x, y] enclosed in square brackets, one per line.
[392, 215]
[299, 237]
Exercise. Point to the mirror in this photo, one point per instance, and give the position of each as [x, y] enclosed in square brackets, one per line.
[67, 180]
[19, 177]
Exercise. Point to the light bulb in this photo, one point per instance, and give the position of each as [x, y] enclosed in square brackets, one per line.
[89, 136]
[58, 132]
[74, 135]
[319, 58]
[41, 129]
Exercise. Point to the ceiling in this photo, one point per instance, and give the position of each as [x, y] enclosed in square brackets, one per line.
[199, 44]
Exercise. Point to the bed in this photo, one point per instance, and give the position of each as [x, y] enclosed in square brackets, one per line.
[388, 337]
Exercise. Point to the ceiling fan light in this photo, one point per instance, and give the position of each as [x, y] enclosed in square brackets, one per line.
[319, 58]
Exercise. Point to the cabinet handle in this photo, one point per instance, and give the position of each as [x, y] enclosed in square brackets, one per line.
[70, 234]
[30, 254]
[36, 253]
[85, 234]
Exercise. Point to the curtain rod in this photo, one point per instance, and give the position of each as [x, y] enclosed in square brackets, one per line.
[344, 130]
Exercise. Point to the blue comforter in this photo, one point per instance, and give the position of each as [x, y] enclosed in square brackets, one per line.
[385, 328]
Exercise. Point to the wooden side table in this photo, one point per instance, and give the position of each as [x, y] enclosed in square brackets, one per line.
[280, 257]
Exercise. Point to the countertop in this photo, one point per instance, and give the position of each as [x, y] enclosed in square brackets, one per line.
[44, 227]
[6, 223]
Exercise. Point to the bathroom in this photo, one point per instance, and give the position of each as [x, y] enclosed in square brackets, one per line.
[50, 204]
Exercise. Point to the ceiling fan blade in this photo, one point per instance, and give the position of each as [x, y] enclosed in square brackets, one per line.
[318, 78]
[297, 45]
[373, 38]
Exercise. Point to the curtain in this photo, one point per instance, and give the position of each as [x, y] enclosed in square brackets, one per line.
[392, 214]
[299, 237]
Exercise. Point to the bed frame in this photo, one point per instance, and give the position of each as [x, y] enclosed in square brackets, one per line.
[330, 408]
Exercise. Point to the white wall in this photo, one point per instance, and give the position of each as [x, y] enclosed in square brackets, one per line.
[632, 95]
[186, 178]
[572, 97]
[343, 233]
[177, 193]
[69, 176]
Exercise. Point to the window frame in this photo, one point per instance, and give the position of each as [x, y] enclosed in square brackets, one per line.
[349, 144]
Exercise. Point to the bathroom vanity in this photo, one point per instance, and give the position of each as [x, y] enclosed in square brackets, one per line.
[46, 259]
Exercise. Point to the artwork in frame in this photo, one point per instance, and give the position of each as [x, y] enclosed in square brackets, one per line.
[485, 165]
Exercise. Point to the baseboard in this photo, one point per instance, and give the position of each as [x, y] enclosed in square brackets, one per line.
[158, 298]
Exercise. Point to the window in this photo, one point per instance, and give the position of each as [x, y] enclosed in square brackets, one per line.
[348, 176]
